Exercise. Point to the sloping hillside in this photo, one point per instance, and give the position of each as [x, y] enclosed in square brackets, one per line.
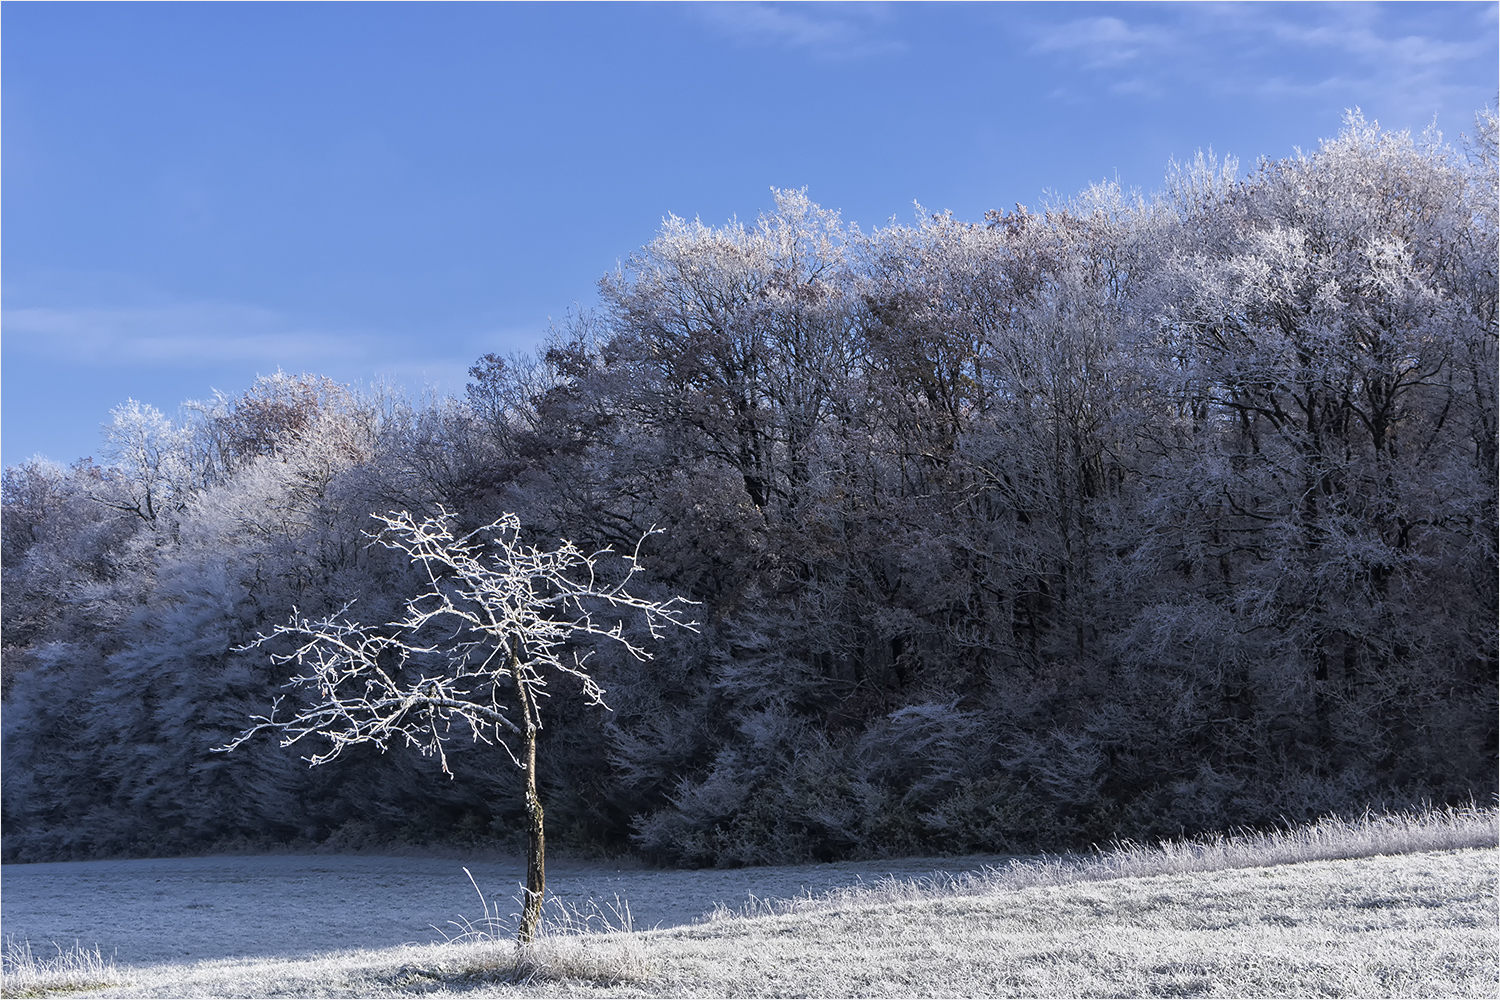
[1411, 925]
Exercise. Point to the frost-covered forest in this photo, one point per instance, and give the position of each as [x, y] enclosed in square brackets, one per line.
[1126, 518]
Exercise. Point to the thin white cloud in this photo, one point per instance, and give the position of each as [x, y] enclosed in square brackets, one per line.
[1358, 37]
[832, 31]
[1359, 53]
[220, 335]
[1137, 87]
[1103, 42]
[180, 334]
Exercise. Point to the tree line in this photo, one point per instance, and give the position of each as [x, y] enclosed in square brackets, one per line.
[1128, 517]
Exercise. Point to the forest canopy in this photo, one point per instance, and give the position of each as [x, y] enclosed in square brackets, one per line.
[1128, 517]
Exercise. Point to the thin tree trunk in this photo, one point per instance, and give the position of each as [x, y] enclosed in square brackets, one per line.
[536, 848]
[536, 841]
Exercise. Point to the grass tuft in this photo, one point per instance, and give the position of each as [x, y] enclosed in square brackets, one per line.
[597, 944]
[23, 973]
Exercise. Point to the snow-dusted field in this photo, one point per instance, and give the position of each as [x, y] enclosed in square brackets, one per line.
[187, 909]
[1400, 904]
[1414, 925]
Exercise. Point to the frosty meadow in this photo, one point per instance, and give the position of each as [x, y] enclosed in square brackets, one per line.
[1388, 906]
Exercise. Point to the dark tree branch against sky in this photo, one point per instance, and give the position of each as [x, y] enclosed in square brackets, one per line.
[194, 194]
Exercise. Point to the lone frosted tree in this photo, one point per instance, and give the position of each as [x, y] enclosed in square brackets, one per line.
[469, 659]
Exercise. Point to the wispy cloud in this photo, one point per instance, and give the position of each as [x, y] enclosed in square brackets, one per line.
[1364, 53]
[1361, 53]
[829, 31]
[182, 334]
[1103, 42]
[224, 336]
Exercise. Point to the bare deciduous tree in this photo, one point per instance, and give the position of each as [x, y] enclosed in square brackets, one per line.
[470, 657]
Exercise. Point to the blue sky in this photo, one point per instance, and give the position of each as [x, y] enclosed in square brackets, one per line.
[197, 193]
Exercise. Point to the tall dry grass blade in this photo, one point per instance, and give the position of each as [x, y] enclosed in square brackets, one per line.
[597, 943]
[24, 973]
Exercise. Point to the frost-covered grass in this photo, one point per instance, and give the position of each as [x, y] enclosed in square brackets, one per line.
[1329, 839]
[596, 943]
[153, 911]
[1419, 925]
[1387, 906]
[25, 973]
